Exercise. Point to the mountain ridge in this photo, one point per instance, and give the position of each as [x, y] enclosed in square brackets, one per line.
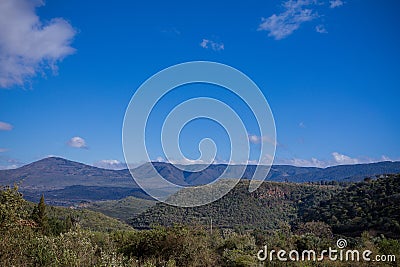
[66, 182]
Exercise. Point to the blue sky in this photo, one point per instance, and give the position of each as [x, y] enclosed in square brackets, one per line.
[330, 71]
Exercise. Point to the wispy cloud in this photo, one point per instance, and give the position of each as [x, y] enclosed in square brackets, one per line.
[320, 29]
[77, 142]
[3, 150]
[210, 44]
[295, 13]
[336, 3]
[28, 46]
[336, 159]
[187, 161]
[112, 164]
[341, 159]
[4, 126]
[171, 30]
[256, 139]
[9, 167]
[7, 163]
[302, 125]
[313, 162]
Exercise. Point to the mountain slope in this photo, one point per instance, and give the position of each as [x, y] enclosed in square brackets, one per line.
[350, 209]
[372, 205]
[57, 173]
[65, 182]
[266, 208]
[122, 209]
[88, 219]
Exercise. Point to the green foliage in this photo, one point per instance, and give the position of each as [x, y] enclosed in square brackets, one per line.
[389, 247]
[238, 250]
[88, 238]
[40, 217]
[266, 208]
[179, 245]
[11, 206]
[123, 209]
[22, 245]
[319, 229]
[86, 219]
[372, 205]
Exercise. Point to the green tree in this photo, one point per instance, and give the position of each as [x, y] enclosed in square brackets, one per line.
[11, 206]
[68, 223]
[39, 215]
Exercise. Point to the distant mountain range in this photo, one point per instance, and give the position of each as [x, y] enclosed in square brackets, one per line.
[66, 182]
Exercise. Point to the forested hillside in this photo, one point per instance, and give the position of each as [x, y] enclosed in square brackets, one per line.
[372, 205]
[266, 208]
[349, 208]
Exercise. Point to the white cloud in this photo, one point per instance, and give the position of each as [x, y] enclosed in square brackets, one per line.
[206, 43]
[186, 161]
[303, 162]
[343, 159]
[3, 150]
[284, 24]
[386, 158]
[9, 167]
[255, 139]
[112, 164]
[160, 159]
[302, 125]
[28, 46]
[336, 3]
[9, 163]
[77, 142]
[337, 159]
[320, 29]
[4, 126]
